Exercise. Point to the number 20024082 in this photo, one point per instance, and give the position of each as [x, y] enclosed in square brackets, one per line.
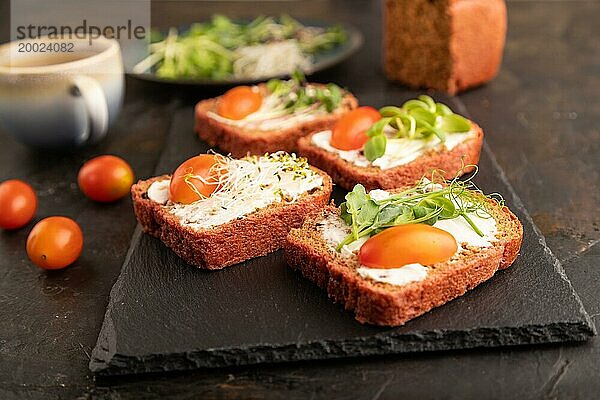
[43, 47]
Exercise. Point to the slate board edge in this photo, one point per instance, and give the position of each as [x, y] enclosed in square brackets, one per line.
[516, 201]
[105, 362]
[104, 350]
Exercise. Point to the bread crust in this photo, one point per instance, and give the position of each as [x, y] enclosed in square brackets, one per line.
[240, 142]
[388, 305]
[477, 42]
[465, 41]
[254, 235]
[347, 175]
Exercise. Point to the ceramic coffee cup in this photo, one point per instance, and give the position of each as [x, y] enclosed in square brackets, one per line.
[60, 98]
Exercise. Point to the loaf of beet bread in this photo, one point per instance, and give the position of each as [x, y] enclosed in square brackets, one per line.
[448, 45]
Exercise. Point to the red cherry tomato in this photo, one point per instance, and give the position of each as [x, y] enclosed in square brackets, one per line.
[54, 243]
[105, 178]
[239, 102]
[186, 187]
[18, 203]
[407, 244]
[349, 133]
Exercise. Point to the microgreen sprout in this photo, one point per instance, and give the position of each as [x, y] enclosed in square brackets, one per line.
[240, 180]
[431, 199]
[420, 118]
[295, 94]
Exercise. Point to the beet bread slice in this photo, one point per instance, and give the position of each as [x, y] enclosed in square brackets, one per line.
[448, 45]
[460, 158]
[385, 304]
[254, 235]
[240, 141]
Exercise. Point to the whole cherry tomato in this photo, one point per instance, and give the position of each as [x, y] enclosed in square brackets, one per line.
[239, 102]
[194, 179]
[18, 203]
[54, 243]
[105, 178]
[349, 133]
[407, 244]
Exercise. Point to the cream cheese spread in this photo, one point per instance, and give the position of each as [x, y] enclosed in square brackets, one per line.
[271, 116]
[255, 183]
[335, 230]
[159, 191]
[398, 151]
[395, 276]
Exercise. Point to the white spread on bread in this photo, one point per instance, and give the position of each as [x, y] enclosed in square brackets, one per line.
[335, 230]
[398, 151]
[256, 183]
[379, 194]
[272, 116]
[464, 234]
[395, 276]
[159, 191]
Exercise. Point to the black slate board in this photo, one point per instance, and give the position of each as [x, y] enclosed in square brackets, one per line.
[164, 315]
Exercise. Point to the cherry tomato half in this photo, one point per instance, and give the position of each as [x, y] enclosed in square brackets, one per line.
[407, 244]
[105, 178]
[18, 203]
[194, 179]
[54, 243]
[349, 133]
[239, 102]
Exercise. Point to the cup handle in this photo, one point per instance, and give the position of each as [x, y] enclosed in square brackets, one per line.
[96, 106]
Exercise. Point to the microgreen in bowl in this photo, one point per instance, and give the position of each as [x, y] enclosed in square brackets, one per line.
[222, 48]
